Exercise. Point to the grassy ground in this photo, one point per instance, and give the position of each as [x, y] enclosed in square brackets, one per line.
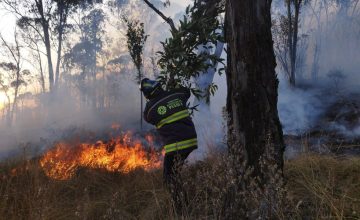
[317, 187]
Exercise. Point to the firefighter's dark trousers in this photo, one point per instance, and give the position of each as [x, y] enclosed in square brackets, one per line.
[172, 179]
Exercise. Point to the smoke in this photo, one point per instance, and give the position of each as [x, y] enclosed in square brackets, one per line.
[328, 74]
[299, 109]
[318, 103]
[70, 110]
[87, 105]
[75, 106]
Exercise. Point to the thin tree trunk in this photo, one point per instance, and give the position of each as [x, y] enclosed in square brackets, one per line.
[8, 106]
[317, 43]
[290, 43]
[95, 89]
[15, 93]
[42, 78]
[3, 114]
[48, 53]
[8, 115]
[45, 26]
[316, 57]
[253, 122]
[16, 56]
[63, 15]
[57, 71]
[294, 42]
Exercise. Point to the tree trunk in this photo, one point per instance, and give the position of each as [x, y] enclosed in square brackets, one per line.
[42, 78]
[15, 93]
[253, 122]
[45, 26]
[294, 42]
[48, 53]
[316, 56]
[290, 43]
[63, 8]
[7, 106]
[8, 115]
[62, 22]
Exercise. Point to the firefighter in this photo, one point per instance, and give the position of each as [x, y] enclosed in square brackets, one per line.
[168, 111]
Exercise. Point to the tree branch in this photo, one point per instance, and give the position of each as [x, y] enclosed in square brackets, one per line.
[166, 19]
[8, 47]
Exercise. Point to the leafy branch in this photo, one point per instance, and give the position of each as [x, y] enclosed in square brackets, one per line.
[180, 61]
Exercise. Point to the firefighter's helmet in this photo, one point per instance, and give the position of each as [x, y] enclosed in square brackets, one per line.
[149, 87]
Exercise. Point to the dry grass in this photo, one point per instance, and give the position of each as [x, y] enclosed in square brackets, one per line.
[325, 187]
[317, 187]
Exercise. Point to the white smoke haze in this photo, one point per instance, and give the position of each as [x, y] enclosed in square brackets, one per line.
[70, 109]
[306, 108]
[58, 115]
[300, 109]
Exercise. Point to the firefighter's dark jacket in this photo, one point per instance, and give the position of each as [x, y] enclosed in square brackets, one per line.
[168, 111]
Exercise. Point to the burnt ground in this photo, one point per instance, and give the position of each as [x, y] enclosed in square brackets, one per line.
[337, 130]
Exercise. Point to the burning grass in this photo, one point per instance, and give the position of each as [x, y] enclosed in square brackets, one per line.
[120, 154]
[318, 187]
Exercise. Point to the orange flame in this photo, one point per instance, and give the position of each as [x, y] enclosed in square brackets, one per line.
[119, 155]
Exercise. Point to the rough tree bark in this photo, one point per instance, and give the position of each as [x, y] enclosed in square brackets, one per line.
[253, 122]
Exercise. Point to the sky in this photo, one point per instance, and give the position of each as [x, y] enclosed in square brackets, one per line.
[182, 2]
[7, 23]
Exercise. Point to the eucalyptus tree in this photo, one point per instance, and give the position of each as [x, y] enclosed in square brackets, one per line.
[63, 10]
[253, 121]
[32, 42]
[83, 55]
[255, 137]
[35, 14]
[46, 18]
[289, 45]
[13, 76]
[293, 8]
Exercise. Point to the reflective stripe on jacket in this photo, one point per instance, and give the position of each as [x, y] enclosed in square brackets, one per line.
[180, 145]
[169, 113]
